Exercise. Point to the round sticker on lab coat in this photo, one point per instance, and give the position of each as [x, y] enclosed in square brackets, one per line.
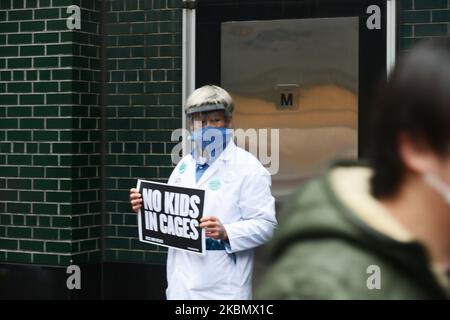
[182, 168]
[214, 184]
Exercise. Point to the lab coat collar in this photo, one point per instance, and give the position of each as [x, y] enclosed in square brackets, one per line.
[229, 149]
[224, 157]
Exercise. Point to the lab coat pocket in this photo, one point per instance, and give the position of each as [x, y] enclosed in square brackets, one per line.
[230, 184]
[177, 288]
[216, 270]
[229, 177]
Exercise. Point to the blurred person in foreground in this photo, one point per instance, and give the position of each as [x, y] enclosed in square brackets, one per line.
[378, 231]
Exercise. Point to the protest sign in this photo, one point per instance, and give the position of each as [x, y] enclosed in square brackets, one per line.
[170, 216]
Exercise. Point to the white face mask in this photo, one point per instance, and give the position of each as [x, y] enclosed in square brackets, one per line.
[439, 185]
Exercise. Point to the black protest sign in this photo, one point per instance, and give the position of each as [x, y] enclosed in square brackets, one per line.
[170, 216]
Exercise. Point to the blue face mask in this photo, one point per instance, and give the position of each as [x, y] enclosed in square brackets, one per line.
[209, 142]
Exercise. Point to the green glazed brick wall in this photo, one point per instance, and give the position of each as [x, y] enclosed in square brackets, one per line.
[143, 108]
[49, 133]
[423, 19]
[85, 137]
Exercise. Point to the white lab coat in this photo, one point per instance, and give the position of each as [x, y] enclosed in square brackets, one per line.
[237, 192]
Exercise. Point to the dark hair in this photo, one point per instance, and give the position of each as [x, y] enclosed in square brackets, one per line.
[415, 101]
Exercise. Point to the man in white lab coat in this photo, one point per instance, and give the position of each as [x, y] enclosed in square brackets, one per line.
[239, 209]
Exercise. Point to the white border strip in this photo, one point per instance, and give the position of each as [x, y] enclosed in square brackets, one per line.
[188, 67]
[391, 28]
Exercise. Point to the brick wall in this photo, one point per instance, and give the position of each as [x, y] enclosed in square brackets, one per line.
[143, 107]
[49, 133]
[420, 19]
[85, 135]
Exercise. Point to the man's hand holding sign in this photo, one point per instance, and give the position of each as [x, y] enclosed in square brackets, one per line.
[214, 228]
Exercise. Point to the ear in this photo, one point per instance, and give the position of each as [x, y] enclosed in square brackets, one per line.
[416, 155]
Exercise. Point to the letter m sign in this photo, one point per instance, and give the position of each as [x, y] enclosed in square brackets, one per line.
[287, 99]
[287, 96]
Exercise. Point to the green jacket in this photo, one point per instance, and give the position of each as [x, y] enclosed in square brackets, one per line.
[325, 250]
